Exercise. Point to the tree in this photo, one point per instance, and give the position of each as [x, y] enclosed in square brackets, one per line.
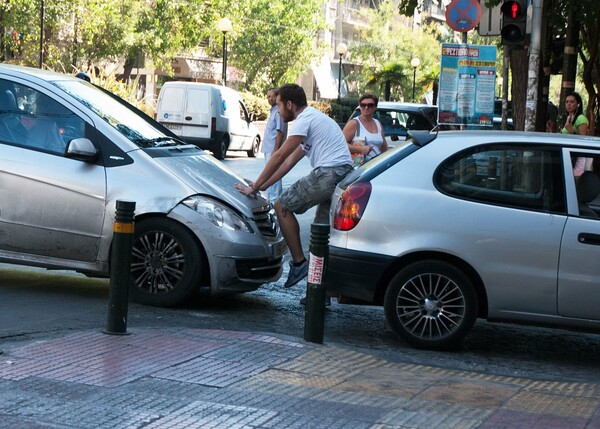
[385, 51]
[274, 42]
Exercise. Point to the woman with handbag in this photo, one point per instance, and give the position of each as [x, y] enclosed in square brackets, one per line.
[364, 134]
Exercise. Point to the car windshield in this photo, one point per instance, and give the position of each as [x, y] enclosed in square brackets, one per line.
[137, 129]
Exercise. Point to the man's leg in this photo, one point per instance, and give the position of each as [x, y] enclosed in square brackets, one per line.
[291, 232]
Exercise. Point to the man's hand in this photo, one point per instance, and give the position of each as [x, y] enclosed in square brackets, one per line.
[247, 190]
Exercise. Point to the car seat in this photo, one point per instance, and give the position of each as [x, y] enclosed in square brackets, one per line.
[11, 128]
[45, 133]
[588, 188]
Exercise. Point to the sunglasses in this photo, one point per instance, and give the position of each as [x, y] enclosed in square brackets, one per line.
[364, 105]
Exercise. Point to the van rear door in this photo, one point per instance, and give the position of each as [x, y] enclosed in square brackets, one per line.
[197, 117]
[170, 108]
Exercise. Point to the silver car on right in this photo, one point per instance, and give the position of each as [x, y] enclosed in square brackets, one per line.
[454, 226]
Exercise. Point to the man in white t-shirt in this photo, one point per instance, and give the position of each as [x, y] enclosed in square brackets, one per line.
[320, 138]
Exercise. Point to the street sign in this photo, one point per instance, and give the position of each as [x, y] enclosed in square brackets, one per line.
[463, 15]
[467, 84]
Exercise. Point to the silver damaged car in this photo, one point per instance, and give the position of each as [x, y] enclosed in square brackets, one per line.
[454, 226]
[69, 150]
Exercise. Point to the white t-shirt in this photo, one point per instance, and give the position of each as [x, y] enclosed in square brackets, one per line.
[324, 143]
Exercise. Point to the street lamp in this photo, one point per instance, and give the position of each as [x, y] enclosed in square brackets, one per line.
[341, 50]
[415, 62]
[224, 26]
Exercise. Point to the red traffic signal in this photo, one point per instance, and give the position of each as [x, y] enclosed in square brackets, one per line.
[514, 21]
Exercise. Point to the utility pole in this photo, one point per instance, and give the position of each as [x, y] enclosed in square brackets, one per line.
[534, 65]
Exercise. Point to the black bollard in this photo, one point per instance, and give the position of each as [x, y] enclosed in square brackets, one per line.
[120, 269]
[314, 315]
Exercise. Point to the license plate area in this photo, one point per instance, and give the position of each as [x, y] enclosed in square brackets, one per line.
[278, 249]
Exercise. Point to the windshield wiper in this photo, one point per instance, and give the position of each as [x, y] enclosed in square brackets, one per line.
[160, 141]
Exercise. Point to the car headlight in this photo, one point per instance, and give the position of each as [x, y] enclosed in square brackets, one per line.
[217, 213]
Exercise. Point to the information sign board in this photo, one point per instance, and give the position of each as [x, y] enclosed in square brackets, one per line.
[467, 84]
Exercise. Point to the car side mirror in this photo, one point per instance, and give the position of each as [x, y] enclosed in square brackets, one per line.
[82, 149]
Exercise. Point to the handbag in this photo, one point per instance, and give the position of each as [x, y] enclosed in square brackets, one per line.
[358, 158]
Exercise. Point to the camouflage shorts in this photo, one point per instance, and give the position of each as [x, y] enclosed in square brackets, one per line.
[314, 189]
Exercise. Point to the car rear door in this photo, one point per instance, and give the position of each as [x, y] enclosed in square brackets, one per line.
[579, 269]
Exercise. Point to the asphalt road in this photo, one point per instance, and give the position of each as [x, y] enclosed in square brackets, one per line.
[36, 303]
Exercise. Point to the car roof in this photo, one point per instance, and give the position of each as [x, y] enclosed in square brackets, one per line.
[396, 105]
[47, 75]
[469, 137]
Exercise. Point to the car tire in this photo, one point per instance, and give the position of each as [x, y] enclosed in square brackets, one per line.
[220, 151]
[166, 263]
[255, 146]
[431, 305]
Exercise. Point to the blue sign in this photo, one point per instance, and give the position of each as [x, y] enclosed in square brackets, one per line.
[467, 84]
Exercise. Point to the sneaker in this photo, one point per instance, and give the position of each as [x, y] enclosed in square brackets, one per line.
[296, 274]
[327, 301]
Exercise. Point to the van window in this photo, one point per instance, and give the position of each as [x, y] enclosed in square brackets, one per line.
[197, 101]
[172, 99]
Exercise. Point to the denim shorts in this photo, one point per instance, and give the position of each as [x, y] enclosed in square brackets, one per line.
[314, 189]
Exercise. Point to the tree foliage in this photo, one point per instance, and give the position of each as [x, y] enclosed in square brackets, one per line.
[274, 42]
[81, 32]
[385, 51]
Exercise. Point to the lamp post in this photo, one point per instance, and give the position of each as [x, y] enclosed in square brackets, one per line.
[341, 50]
[415, 62]
[224, 27]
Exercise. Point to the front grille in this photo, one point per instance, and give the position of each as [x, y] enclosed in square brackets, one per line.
[266, 220]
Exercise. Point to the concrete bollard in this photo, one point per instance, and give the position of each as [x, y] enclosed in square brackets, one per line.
[314, 315]
[120, 269]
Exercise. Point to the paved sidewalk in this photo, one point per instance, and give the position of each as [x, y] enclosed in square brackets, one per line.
[193, 378]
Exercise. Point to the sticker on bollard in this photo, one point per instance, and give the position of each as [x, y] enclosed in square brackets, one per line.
[315, 269]
[123, 228]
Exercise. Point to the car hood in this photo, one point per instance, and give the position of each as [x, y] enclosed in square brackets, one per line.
[207, 176]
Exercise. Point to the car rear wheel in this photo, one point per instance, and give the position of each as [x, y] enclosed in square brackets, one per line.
[255, 146]
[221, 150]
[166, 263]
[431, 305]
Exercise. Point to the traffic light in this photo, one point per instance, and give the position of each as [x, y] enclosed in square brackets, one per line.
[514, 21]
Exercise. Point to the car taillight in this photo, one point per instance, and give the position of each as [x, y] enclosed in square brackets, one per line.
[351, 206]
[213, 125]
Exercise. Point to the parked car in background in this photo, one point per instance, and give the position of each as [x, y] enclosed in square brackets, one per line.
[399, 118]
[70, 150]
[496, 125]
[451, 226]
[213, 117]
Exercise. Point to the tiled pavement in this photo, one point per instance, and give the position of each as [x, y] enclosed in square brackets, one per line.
[189, 378]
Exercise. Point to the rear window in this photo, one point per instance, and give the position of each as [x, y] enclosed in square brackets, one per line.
[172, 99]
[524, 176]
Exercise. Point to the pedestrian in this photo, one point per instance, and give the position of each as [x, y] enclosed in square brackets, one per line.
[576, 123]
[274, 136]
[364, 134]
[318, 137]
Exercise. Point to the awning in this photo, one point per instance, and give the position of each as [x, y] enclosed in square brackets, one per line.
[327, 80]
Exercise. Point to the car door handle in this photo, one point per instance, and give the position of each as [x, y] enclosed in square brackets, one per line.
[587, 238]
[188, 118]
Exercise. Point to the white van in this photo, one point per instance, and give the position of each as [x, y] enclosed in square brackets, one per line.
[212, 117]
